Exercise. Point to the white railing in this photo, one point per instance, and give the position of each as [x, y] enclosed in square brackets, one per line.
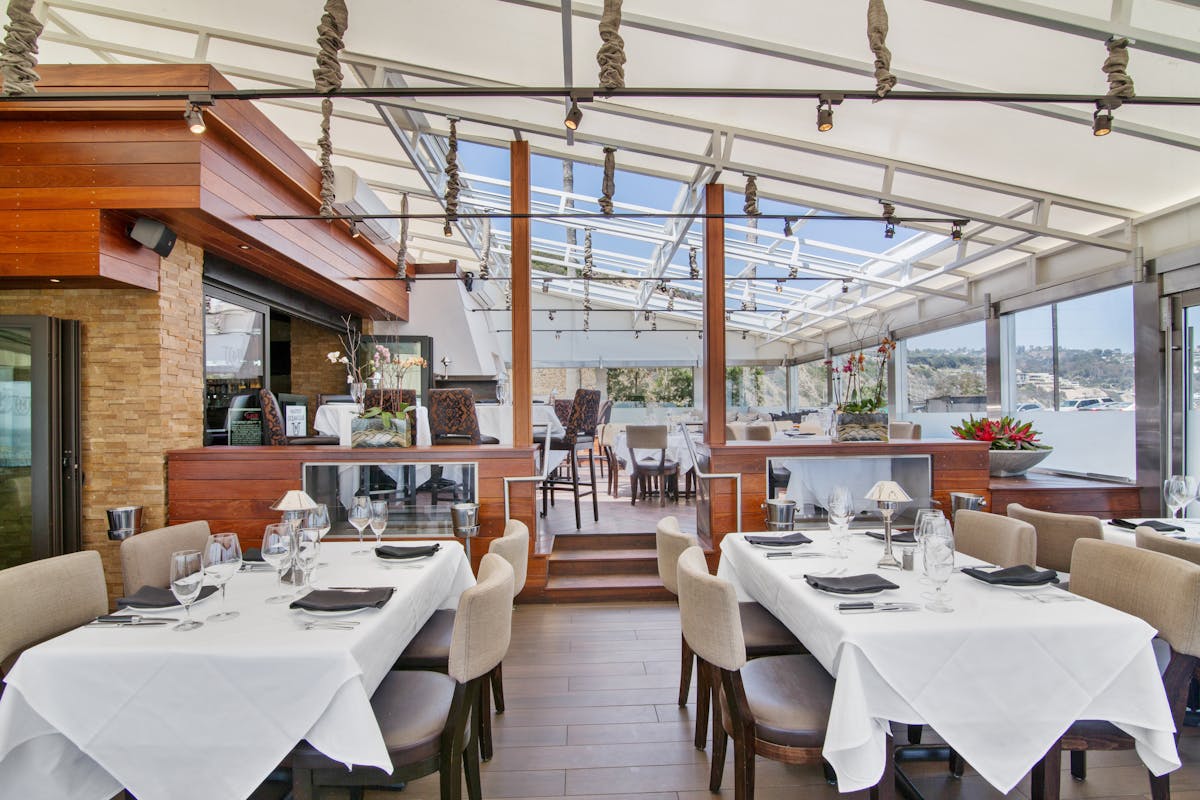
[508, 481]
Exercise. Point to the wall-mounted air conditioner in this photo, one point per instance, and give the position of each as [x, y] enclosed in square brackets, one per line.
[352, 195]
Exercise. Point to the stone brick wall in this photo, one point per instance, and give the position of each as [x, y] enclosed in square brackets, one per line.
[142, 375]
[312, 374]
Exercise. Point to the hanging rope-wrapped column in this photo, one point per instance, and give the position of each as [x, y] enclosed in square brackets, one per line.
[693, 267]
[18, 55]
[750, 207]
[452, 184]
[328, 78]
[608, 186]
[588, 271]
[877, 31]
[402, 253]
[611, 56]
[1120, 85]
[486, 258]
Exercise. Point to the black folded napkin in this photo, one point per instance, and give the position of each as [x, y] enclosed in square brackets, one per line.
[1153, 524]
[157, 597]
[899, 537]
[253, 554]
[344, 599]
[850, 584]
[395, 552]
[789, 540]
[1020, 575]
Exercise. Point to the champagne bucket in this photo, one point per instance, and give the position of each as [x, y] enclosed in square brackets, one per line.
[124, 521]
[780, 512]
[463, 516]
[779, 526]
[971, 502]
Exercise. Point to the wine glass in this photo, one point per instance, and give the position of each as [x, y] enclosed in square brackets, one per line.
[840, 506]
[938, 549]
[360, 518]
[379, 519]
[278, 547]
[187, 579]
[1175, 494]
[222, 560]
[308, 547]
[317, 518]
[926, 520]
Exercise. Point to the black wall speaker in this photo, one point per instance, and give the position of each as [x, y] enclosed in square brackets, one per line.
[153, 234]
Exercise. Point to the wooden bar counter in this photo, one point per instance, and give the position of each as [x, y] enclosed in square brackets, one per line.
[233, 488]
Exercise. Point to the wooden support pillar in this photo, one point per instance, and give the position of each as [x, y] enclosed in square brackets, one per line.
[522, 343]
[714, 315]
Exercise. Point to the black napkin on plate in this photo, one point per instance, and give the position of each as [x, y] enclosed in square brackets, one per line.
[1153, 524]
[157, 597]
[850, 584]
[1020, 575]
[790, 540]
[400, 553]
[254, 555]
[899, 537]
[344, 599]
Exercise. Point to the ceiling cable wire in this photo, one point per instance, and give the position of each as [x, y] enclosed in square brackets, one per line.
[877, 30]
[327, 77]
[18, 54]
[611, 56]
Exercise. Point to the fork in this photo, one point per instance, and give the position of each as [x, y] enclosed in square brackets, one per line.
[330, 626]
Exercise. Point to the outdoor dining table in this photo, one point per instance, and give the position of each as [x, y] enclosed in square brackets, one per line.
[1000, 679]
[208, 714]
[677, 451]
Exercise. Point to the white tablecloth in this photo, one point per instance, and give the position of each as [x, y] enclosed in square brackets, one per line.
[813, 480]
[677, 451]
[333, 419]
[1000, 678]
[497, 420]
[1115, 533]
[208, 714]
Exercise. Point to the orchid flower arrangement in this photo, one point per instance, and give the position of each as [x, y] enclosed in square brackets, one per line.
[348, 355]
[858, 382]
[388, 370]
[1003, 434]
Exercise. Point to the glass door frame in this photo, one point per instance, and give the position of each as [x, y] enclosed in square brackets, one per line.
[250, 304]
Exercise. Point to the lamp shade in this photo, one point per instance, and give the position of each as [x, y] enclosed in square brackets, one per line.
[294, 500]
[888, 492]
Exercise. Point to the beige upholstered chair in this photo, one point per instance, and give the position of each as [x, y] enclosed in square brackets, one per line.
[1056, 534]
[648, 469]
[423, 716]
[513, 547]
[44, 598]
[146, 558]
[759, 433]
[1165, 592]
[776, 707]
[900, 430]
[995, 539]
[731, 433]
[1150, 539]
[764, 634]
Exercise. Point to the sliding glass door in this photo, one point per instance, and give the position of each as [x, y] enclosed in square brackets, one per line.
[40, 474]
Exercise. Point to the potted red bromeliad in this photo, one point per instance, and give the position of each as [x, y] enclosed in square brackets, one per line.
[1014, 446]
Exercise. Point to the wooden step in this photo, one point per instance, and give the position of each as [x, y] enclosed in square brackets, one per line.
[604, 541]
[578, 588]
[638, 561]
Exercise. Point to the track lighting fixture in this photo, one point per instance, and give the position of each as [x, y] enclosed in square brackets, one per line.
[636, 333]
[787, 226]
[557, 335]
[728, 316]
[646, 315]
[408, 283]
[194, 116]
[354, 232]
[824, 115]
[779, 285]
[545, 285]
[956, 231]
[551, 316]
[574, 116]
[845, 287]
[743, 335]
[889, 230]
[1101, 120]
[468, 281]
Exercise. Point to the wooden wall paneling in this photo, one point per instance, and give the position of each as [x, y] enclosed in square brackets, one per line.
[521, 272]
[121, 258]
[714, 316]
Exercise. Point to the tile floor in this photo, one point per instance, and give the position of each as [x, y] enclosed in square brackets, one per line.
[591, 714]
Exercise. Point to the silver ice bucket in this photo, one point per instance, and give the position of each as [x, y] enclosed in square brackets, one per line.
[779, 526]
[780, 512]
[971, 502]
[124, 521]
[464, 516]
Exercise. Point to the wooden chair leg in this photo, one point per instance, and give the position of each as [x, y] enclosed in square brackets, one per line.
[720, 743]
[483, 707]
[914, 733]
[575, 489]
[886, 788]
[830, 775]
[743, 767]
[595, 499]
[302, 785]
[470, 759]
[497, 677]
[956, 765]
[685, 673]
[1160, 786]
[1045, 777]
[703, 697]
[1079, 765]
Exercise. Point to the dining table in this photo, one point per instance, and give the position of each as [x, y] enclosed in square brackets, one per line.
[1190, 529]
[677, 450]
[1000, 678]
[333, 419]
[496, 419]
[208, 714]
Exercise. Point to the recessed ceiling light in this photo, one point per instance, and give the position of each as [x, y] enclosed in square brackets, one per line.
[55, 280]
[243, 247]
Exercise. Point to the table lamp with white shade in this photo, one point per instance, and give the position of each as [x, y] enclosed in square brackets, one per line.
[293, 505]
[886, 495]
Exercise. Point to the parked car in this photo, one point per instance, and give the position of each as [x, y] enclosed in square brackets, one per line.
[1096, 404]
[1034, 406]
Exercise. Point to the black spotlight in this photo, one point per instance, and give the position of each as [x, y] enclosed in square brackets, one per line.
[469, 280]
[956, 231]
[153, 234]
[889, 230]
[824, 116]
[574, 116]
[1101, 121]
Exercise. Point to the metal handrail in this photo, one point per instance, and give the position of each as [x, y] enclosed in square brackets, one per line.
[736, 477]
[508, 481]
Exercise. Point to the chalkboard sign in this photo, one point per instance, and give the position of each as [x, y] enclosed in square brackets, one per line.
[246, 427]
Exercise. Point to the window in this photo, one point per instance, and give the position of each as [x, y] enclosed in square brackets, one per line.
[756, 387]
[944, 377]
[1071, 373]
[234, 365]
[811, 385]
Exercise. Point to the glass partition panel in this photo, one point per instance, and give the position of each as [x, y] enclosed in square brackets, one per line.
[808, 480]
[944, 378]
[419, 495]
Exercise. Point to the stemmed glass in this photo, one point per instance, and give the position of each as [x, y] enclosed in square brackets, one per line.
[1176, 494]
[187, 579]
[360, 518]
[921, 526]
[222, 560]
[938, 550]
[308, 547]
[317, 519]
[278, 547]
[840, 506]
[379, 520]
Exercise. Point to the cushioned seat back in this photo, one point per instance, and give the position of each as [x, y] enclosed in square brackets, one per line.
[900, 430]
[670, 542]
[513, 547]
[995, 539]
[708, 612]
[146, 558]
[483, 621]
[274, 430]
[44, 598]
[584, 415]
[390, 400]
[1161, 589]
[562, 410]
[1056, 534]
[646, 437]
[758, 433]
[731, 434]
[452, 413]
[604, 415]
[1150, 539]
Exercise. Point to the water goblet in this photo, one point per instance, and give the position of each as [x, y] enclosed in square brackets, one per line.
[1175, 494]
[187, 579]
[360, 518]
[840, 506]
[222, 560]
[278, 547]
[308, 548]
[317, 519]
[379, 520]
[939, 564]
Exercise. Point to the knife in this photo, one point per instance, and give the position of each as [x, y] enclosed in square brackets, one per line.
[133, 619]
[154, 623]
